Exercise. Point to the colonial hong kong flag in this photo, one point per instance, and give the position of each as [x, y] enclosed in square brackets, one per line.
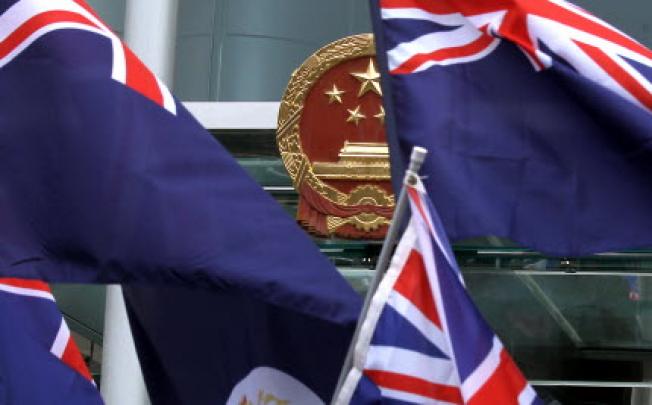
[537, 116]
[424, 341]
[107, 178]
[40, 363]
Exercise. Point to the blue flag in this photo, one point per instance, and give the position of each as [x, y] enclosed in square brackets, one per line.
[537, 119]
[225, 348]
[106, 178]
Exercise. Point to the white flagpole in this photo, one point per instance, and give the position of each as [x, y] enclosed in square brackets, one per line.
[411, 174]
[150, 31]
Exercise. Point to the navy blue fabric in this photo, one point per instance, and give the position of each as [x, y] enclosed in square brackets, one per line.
[5, 4]
[410, 32]
[387, 334]
[367, 393]
[101, 185]
[470, 334]
[29, 373]
[548, 159]
[211, 340]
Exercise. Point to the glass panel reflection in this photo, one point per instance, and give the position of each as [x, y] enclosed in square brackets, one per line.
[563, 320]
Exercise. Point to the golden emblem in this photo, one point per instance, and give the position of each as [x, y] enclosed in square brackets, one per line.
[332, 141]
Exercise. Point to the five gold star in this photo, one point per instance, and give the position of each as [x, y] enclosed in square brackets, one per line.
[355, 115]
[381, 115]
[369, 80]
[334, 94]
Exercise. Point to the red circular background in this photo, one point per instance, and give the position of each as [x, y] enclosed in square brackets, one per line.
[323, 125]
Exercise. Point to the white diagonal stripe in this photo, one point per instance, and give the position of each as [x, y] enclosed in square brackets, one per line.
[464, 59]
[44, 30]
[417, 319]
[419, 14]
[527, 396]
[408, 362]
[483, 372]
[26, 292]
[168, 99]
[409, 397]
[119, 70]
[429, 43]
[23, 10]
[61, 340]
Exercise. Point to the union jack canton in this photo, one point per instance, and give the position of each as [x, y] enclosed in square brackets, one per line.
[463, 31]
[37, 346]
[26, 21]
[424, 341]
[536, 116]
[61, 343]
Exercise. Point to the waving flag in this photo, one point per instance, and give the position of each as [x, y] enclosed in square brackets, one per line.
[36, 345]
[106, 178]
[537, 115]
[423, 341]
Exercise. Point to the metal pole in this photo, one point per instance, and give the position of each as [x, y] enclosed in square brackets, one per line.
[122, 380]
[150, 31]
[385, 257]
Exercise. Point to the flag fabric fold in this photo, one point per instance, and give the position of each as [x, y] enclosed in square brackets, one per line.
[40, 363]
[423, 341]
[107, 186]
[206, 348]
[106, 178]
[536, 115]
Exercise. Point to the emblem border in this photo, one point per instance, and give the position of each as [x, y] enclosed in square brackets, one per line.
[288, 136]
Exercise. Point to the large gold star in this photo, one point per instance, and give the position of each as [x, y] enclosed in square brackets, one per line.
[334, 94]
[369, 80]
[355, 115]
[381, 115]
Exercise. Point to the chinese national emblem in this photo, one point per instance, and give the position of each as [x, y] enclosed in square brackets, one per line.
[332, 141]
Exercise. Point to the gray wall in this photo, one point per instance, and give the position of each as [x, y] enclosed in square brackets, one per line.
[245, 50]
[112, 11]
[632, 16]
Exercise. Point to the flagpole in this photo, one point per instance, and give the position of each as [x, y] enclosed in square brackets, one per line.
[411, 174]
[150, 31]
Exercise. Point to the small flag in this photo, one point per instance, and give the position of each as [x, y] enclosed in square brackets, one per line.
[423, 340]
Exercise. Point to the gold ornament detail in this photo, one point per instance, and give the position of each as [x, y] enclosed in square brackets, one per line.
[264, 398]
[369, 80]
[369, 195]
[365, 222]
[287, 133]
[357, 161]
[381, 115]
[334, 94]
[365, 194]
[355, 116]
